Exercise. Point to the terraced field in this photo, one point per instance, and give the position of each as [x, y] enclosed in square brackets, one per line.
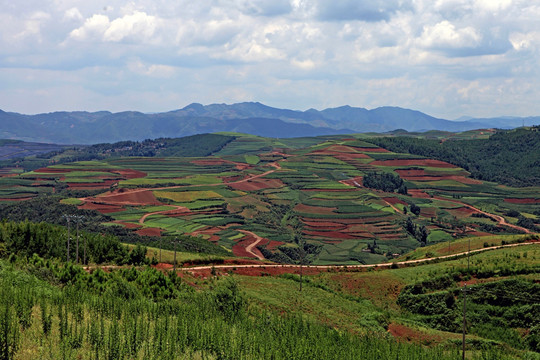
[289, 200]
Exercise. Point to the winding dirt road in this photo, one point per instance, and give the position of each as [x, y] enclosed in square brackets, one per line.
[500, 220]
[326, 267]
[250, 247]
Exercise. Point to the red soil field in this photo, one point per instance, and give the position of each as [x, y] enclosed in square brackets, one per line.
[129, 173]
[375, 150]
[404, 333]
[314, 209]
[418, 194]
[53, 171]
[324, 225]
[462, 211]
[127, 225]
[273, 244]
[127, 197]
[240, 166]
[228, 179]
[348, 157]
[149, 231]
[394, 200]
[92, 186]
[342, 149]
[413, 162]
[329, 234]
[204, 162]
[211, 232]
[163, 266]
[355, 182]
[329, 190]
[239, 250]
[522, 201]
[261, 271]
[458, 178]
[16, 199]
[102, 208]
[410, 172]
[257, 184]
[428, 212]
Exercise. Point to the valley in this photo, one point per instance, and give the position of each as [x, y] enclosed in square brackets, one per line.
[334, 234]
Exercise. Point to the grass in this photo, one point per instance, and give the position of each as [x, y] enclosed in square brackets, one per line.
[167, 256]
[281, 295]
[460, 245]
[172, 225]
[71, 201]
[188, 196]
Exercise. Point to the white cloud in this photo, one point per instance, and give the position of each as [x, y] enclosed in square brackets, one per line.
[445, 35]
[422, 54]
[493, 5]
[93, 28]
[152, 70]
[303, 64]
[138, 27]
[73, 14]
[527, 41]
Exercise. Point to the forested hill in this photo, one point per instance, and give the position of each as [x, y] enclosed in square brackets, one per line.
[507, 157]
[195, 145]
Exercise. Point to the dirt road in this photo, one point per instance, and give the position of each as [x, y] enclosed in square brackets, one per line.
[250, 247]
[325, 267]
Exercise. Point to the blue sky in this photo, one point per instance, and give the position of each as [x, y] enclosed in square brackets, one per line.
[447, 58]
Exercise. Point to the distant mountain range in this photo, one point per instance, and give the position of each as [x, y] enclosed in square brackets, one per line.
[249, 117]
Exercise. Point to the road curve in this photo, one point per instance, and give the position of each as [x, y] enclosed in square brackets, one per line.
[250, 247]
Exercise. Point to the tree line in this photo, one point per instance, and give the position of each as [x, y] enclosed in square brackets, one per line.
[507, 157]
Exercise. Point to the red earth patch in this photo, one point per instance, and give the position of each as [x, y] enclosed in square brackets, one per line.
[102, 208]
[394, 200]
[149, 232]
[128, 197]
[257, 184]
[374, 150]
[127, 225]
[522, 201]
[53, 171]
[413, 162]
[314, 209]
[405, 333]
[418, 194]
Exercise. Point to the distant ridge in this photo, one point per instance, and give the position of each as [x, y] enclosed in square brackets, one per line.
[248, 117]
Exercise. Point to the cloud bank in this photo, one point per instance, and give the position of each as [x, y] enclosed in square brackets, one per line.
[445, 57]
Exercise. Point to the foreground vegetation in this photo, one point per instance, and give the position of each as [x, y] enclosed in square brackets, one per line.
[54, 309]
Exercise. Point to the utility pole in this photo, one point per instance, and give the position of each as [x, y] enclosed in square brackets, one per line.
[469, 256]
[68, 218]
[78, 220]
[160, 246]
[84, 251]
[464, 318]
[174, 263]
[301, 272]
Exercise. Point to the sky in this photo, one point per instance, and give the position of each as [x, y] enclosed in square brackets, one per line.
[447, 58]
